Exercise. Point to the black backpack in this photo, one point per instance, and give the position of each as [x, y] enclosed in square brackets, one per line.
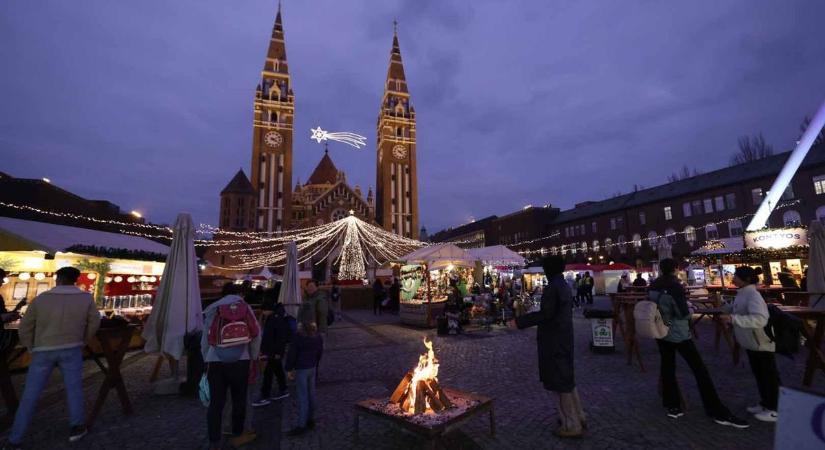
[784, 330]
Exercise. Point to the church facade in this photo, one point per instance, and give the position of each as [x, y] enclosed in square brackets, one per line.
[267, 201]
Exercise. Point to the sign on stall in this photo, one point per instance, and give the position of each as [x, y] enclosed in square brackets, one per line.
[801, 424]
[776, 239]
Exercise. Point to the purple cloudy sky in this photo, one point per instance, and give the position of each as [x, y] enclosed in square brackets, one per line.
[148, 103]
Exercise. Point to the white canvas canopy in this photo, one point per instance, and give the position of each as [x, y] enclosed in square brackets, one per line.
[440, 256]
[816, 264]
[290, 294]
[497, 255]
[177, 309]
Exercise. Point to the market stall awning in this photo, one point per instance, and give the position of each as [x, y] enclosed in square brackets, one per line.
[440, 256]
[497, 255]
[720, 247]
[28, 235]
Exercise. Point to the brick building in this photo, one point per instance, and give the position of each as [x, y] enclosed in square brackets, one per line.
[687, 212]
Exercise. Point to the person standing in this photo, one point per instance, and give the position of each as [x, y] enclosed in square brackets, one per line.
[377, 297]
[55, 329]
[667, 291]
[588, 288]
[395, 295]
[228, 365]
[303, 358]
[579, 284]
[749, 314]
[555, 347]
[315, 307]
[276, 334]
[335, 299]
[639, 281]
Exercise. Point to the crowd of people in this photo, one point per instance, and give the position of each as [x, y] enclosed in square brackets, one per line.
[235, 347]
[749, 316]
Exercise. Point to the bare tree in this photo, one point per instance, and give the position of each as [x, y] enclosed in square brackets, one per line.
[682, 174]
[751, 149]
[806, 122]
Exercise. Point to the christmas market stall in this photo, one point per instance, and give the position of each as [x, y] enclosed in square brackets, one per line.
[498, 264]
[121, 271]
[782, 253]
[426, 277]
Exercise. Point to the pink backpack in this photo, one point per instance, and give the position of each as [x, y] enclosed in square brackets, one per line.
[233, 325]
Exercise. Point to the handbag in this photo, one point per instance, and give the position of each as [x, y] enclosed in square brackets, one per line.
[203, 390]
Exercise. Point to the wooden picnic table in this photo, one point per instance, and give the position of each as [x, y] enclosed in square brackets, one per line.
[114, 342]
[623, 305]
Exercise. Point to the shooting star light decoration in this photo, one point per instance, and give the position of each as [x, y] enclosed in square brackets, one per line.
[355, 140]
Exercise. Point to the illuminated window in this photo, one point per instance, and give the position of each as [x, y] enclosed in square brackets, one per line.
[711, 232]
[621, 244]
[690, 235]
[670, 235]
[608, 245]
[637, 241]
[652, 238]
[668, 213]
[595, 245]
[708, 205]
[819, 184]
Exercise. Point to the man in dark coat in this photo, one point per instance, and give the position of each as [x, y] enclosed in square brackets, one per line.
[555, 346]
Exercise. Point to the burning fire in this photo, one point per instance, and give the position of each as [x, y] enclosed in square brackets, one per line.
[427, 370]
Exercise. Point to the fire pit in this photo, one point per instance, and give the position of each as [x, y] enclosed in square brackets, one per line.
[419, 405]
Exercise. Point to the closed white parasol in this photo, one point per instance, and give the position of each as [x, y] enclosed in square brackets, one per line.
[177, 309]
[290, 294]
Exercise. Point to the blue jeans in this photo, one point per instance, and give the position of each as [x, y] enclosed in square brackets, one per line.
[70, 361]
[305, 387]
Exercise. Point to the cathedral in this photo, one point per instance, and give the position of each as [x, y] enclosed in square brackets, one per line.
[269, 202]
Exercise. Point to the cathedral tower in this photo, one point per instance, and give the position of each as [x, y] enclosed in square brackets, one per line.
[272, 137]
[396, 176]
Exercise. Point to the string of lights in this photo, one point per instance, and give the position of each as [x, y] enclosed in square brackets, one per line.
[638, 242]
[66, 215]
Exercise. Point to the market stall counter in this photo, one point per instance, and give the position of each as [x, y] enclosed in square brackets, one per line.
[428, 276]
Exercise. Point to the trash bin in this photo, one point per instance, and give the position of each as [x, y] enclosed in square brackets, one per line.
[601, 323]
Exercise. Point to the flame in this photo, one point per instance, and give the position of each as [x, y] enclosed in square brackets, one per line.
[427, 370]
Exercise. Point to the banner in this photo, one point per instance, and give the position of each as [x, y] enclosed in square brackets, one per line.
[411, 278]
[776, 239]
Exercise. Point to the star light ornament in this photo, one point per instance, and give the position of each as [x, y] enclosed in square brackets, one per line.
[355, 140]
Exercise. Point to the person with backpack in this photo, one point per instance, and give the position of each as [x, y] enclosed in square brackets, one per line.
[302, 360]
[555, 347]
[669, 295]
[230, 345]
[276, 334]
[750, 316]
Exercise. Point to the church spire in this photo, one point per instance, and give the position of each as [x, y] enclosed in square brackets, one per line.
[276, 54]
[396, 80]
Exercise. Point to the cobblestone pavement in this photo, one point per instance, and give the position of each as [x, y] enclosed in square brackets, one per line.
[366, 357]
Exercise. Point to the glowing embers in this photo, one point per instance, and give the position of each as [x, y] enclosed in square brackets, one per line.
[419, 391]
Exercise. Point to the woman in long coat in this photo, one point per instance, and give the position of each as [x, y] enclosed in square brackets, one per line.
[555, 346]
